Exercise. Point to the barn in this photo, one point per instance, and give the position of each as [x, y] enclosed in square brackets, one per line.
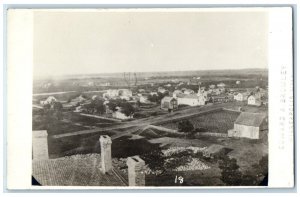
[249, 125]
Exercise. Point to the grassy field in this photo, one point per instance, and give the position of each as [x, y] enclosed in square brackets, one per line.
[216, 122]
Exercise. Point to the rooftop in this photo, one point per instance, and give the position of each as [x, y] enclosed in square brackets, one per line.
[250, 119]
[76, 170]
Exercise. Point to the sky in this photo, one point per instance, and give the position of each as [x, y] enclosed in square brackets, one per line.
[92, 42]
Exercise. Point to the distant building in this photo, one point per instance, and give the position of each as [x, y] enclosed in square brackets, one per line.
[249, 125]
[153, 93]
[161, 90]
[187, 91]
[111, 93]
[120, 115]
[169, 103]
[242, 96]
[221, 85]
[222, 98]
[254, 100]
[144, 99]
[176, 92]
[50, 100]
[125, 92]
[238, 82]
[190, 99]
[212, 86]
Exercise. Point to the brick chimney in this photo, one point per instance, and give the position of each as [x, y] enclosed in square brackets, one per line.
[136, 174]
[105, 144]
[40, 145]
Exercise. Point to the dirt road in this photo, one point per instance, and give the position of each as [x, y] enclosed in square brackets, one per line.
[140, 123]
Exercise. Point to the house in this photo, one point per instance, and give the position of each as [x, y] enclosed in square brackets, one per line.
[50, 100]
[238, 82]
[125, 92]
[144, 99]
[169, 103]
[241, 96]
[111, 93]
[254, 100]
[120, 115]
[249, 125]
[187, 91]
[212, 86]
[161, 90]
[176, 92]
[221, 85]
[153, 93]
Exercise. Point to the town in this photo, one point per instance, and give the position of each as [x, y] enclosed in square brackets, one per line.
[187, 128]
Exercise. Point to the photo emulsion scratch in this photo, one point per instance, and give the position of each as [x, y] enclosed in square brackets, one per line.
[150, 98]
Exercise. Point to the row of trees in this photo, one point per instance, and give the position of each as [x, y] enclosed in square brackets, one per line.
[98, 106]
[157, 98]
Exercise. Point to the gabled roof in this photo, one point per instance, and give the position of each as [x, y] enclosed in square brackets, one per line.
[250, 119]
[76, 170]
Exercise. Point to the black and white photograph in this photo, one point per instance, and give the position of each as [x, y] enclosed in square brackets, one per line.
[150, 98]
[136, 98]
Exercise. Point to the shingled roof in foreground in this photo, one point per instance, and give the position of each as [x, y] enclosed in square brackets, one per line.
[77, 170]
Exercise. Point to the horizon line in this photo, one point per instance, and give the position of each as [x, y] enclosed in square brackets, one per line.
[103, 73]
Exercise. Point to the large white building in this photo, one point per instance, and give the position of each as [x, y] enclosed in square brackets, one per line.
[191, 99]
[242, 96]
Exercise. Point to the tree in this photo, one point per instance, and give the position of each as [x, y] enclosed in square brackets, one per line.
[98, 106]
[127, 108]
[230, 175]
[153, 98]
[112, 106]
[185, 126]
[57, 107]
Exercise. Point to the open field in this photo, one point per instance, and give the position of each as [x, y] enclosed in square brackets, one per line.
[216, 122]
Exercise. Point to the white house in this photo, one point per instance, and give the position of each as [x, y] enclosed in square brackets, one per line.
[241, 96]
[212, 86]
[144, 99]
[111, 93]
[125, 92]
[153, 93]
[221, 85]
[187, 91]
[50, 100]
[249, 125]
[254, 100]
[119, 115]
[161, 90]
[176, 92]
